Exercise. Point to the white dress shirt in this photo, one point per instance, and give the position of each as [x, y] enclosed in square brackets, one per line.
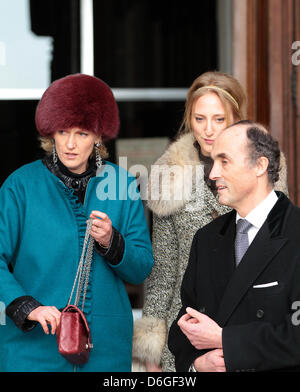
[259, 214]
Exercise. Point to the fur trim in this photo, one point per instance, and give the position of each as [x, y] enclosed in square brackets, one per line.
[138, 366]
[149, 339]
[167, 200]
[78, 101]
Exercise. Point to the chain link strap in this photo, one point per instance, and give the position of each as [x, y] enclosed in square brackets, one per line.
[84, 267]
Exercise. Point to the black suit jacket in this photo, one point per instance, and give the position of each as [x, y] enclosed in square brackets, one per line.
[260, 325]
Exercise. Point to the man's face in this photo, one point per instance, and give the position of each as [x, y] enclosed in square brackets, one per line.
[235, 178]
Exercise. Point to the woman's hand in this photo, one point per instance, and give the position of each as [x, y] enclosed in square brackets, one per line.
[46, 315]
[101, 229]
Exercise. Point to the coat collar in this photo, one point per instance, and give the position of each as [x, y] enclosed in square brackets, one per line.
[179, 154]
[267, 243]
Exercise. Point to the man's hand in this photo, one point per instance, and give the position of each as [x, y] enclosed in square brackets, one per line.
[101, 229]
[46, 315]
[213, 361]
[201, 330]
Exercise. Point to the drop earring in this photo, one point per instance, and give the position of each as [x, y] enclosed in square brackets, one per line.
[54, 153]
[98, 156]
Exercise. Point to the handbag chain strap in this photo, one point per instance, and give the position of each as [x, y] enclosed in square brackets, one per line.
[84, 267]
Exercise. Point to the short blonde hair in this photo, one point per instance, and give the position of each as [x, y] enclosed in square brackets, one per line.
[228, 89]
[46, 145]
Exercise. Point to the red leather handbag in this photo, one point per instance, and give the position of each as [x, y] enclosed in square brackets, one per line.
[73, 333]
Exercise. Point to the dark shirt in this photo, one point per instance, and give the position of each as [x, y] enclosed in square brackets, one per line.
[77, 182]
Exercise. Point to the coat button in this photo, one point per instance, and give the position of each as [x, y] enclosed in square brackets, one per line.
[260, 313]
[202, 310]
[75, 184]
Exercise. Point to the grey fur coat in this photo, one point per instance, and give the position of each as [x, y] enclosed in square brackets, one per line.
[176, 218]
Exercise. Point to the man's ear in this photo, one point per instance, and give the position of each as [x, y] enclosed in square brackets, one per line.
[262, 164]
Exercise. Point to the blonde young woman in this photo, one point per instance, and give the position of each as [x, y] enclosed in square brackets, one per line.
[214, 101]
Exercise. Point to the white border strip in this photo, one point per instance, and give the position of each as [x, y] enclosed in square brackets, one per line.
[121, 94]
[20, 93]
[150, 94]
[87, 37]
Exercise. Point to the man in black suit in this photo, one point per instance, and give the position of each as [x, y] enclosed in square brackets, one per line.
[241, 290]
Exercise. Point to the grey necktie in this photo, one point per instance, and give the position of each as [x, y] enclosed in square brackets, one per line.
[241, 239]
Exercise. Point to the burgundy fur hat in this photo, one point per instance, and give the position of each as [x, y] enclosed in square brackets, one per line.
[78, 101]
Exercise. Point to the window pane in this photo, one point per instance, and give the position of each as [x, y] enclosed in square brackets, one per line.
[24, 57]
[142, 43]
[19, 143]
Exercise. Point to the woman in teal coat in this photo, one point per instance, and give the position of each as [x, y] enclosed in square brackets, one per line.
[44, 209]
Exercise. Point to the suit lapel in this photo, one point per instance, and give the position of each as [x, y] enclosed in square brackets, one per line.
[260, 253]
[223, 257]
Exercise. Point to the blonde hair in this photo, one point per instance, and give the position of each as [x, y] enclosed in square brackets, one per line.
[46, 145]
[226, 87]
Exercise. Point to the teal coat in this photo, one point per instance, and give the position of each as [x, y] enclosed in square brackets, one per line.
[42, 230]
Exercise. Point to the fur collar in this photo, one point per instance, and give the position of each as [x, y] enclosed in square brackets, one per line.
[168, 200]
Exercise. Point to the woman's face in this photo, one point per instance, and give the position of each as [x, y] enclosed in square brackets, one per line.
[208, 120]
[74, 147]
